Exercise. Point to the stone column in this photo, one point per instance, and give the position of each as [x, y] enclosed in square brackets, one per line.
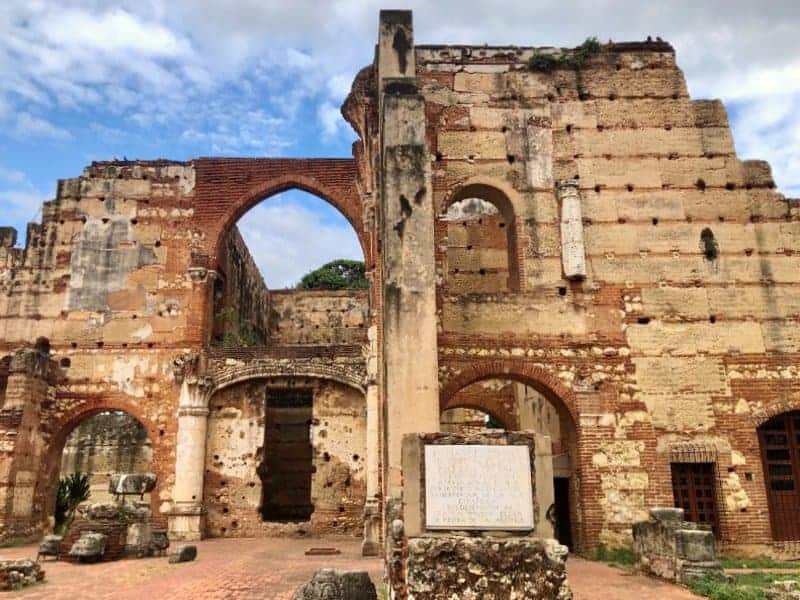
[573, 254]
[21, 516]
[406, 211]
[370, 545]
[187, 516]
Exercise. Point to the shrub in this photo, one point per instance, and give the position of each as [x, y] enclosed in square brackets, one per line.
[72, 490]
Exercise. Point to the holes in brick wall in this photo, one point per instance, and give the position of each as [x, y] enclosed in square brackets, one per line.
[700, 184]
[668, 127]
[618, 67]
[643, 320]
[599, 128]
[712, 319]
[730, 186]
[504, 129]
[134, 222]
[612, 97]
[100, 344]
[511, 158]
[438, 157]
[482, 271]
[74, 345]
[157, 244]
[597, 189]
[655, 221]
[629, 187]
[569, 128]
[708, 245]
[675, 96]
[356, 457]
[326, 456]
[562, 291]
[65, 363]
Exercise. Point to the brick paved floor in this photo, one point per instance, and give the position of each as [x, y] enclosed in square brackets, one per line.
[271, 569]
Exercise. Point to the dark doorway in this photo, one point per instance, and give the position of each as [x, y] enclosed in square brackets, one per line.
[780, 452]
[287, 466]
[563, 523]
[694, 491]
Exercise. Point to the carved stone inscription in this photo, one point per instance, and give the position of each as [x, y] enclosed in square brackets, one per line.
[478, 487]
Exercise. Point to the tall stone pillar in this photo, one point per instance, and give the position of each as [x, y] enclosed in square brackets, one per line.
[406, 211]
[29, 374]
[187, 516]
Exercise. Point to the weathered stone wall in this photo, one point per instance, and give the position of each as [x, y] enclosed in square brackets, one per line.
[319, 317]
[105, 444]
[241, 298]
[690, 257]
[236, 440]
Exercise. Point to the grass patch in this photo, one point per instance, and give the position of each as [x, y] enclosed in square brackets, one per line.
[383, 592]
[759, 563]
[618, 557]
[743, 587]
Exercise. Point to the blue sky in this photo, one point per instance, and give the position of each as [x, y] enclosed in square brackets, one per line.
[84, 80]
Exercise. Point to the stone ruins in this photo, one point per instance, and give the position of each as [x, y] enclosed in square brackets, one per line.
[557, 241]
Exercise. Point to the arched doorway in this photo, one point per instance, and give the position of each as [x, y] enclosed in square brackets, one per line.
[779, 439]
[516, 402]
[104, 444]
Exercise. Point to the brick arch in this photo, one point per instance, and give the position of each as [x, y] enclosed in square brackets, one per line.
[538, 378]
[61, 428]
[773, 409]
[227, 188]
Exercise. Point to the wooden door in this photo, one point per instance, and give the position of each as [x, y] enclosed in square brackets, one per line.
[780, 453]
[694, 489]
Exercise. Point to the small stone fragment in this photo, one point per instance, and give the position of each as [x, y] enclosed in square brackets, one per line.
[50, 546]
[328, 584]
[183, 553]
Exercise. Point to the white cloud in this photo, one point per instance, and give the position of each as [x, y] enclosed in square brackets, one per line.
[288, 238]
[26, 126]
[20, 200]
[331, 118]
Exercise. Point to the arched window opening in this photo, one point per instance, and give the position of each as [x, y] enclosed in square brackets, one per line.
[106, 443]
[480, 254]
[262, 261]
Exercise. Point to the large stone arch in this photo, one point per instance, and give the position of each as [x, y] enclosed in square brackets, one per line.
[61, 428]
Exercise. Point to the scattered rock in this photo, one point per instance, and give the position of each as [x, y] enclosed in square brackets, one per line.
[16, 574]
[183, 553]
[328, 584]
[138, 540]
[50, 546]
[90, 547]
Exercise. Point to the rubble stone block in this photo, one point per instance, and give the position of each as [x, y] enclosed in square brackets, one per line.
[16, 574]
[50, 546]
[90, 547]
[328, 584]
[183, 553]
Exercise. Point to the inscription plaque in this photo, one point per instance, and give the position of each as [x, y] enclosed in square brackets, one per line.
[478, 487]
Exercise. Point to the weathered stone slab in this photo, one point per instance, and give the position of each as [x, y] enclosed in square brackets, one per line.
[456, 494]
[132, 483]
[328, 584]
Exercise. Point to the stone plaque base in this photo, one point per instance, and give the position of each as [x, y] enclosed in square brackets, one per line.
[486, 567]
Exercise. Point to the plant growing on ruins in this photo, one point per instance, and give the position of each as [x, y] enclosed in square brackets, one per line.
[336, 275]
[72, 490]
[566, 59]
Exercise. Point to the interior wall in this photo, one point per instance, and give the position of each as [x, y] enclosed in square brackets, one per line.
[235, 449]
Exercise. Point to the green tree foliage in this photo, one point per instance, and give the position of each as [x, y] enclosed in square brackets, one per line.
[336, 275]
[72, 490]
[566, 59]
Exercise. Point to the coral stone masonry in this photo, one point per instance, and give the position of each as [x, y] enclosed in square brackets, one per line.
[570, 247]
